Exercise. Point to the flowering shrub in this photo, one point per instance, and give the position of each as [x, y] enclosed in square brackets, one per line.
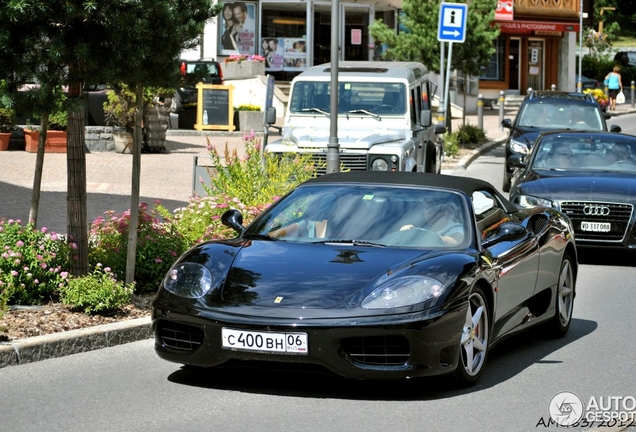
[98, 292]
[158, 244]
[201, 220]
[32, 263]
[256, 180]
[247, 107]
[242, 57]
[599, 95]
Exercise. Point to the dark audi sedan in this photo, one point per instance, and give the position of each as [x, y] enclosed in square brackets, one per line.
[550, 110]
[590, 176]
[371, 275]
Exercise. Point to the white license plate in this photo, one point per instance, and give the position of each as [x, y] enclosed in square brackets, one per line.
[595, 226]
[285, 343]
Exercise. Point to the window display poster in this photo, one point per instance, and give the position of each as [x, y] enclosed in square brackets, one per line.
[295, 54]
[272, 50]
[237, 32]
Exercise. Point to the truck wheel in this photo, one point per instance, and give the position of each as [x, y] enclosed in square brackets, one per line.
[430, 160]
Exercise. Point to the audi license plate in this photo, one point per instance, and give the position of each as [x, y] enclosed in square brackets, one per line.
[285, 343]
[595, 226]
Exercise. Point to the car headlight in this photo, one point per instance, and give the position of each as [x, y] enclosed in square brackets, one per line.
[519, 147]
[189, 280]
[532, 201]
[379, 164]
[403, 291]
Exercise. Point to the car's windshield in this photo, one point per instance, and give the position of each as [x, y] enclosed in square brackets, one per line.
[377, 215]
[382, 98]
[553, 115]
[588, 152]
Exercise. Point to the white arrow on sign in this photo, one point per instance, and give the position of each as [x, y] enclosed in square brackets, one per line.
[450, 33]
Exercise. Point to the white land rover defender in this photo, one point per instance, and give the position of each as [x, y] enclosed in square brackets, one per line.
[384, 117]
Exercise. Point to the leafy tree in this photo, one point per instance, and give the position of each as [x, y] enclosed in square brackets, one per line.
[70, 42]
[419, 42]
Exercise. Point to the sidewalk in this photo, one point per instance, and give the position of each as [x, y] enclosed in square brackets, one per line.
[164, 177]
[167, 178]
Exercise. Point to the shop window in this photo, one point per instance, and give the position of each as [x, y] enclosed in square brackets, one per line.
[495, 70]
[283, 42]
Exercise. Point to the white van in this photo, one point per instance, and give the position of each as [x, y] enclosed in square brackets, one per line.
[384, 117]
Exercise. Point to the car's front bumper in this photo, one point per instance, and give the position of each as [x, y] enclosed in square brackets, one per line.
[382, 347]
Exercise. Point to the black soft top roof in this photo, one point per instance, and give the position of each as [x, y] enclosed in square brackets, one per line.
[467, 185]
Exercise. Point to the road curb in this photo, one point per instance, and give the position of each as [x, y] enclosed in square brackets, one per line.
[46, 347]
[463, 163]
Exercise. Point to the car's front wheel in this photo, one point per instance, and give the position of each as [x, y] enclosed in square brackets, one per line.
[564, 303]
[474, 341]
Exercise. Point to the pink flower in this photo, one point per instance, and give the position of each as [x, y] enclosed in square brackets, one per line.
[19, 243]
[14, 273]
[158, 260]
[45, 230]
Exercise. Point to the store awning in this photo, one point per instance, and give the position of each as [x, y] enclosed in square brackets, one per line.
[527, 27]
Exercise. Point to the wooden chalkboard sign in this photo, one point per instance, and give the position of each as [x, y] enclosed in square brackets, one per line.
[215, 109]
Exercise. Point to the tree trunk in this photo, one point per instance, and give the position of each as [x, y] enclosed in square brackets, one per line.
[134, 194]
[76, 181]
[37, 175]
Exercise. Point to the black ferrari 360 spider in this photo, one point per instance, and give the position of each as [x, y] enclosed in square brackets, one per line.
[371, 275]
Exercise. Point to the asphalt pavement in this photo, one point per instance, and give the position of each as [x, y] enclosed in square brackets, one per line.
[167, 178]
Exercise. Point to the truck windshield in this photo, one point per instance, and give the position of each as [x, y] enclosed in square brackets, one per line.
[372, 97]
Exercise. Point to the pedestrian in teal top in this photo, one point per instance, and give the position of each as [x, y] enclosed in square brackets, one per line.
[614, 85]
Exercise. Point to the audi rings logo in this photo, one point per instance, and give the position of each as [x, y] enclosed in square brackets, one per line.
[596, 210]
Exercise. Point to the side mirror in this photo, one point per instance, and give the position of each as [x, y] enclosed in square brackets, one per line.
[516, 160]
[270, 115]
[440, 129]
[508, 231]
[233, 219]
[615, 128]
[426, 118]
[507, 123]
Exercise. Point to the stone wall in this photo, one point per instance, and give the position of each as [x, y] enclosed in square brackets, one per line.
[99, 139]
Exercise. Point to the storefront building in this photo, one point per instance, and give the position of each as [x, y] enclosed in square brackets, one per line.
[293, 35]
[536, 47]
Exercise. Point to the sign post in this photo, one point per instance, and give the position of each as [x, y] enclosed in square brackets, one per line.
[451, 28]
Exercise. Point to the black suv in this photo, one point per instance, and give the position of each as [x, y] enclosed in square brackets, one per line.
[184, 104]
[550, 110]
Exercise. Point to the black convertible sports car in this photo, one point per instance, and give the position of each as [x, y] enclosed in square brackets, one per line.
[590, 176]
[371, 275]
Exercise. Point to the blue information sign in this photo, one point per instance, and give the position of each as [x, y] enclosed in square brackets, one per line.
[452, 22]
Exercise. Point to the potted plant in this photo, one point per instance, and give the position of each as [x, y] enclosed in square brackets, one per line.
[56, 132]
[7, 117]
[119, 112]
[241, 66]
[7, 126]
[250, 118]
